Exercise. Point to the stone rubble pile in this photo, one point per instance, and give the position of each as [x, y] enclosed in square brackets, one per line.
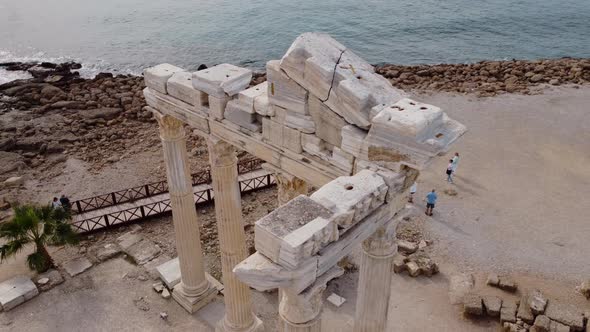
[320, 101]
[533, 312]
[417, 263]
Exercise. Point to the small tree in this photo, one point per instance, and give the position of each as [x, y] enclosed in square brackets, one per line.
[41, 225]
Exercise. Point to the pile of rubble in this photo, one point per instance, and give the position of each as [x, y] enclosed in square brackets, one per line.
[488, 78]
[532, 312]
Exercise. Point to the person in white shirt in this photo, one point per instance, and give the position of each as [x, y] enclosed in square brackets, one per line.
[413, 190]
[56, 204]
[455, 163]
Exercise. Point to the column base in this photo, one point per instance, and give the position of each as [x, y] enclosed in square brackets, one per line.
[192, 304]
[257, 326]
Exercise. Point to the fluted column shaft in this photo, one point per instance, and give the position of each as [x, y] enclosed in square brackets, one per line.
[193, 283]
[232, 238]
[374, 287]
[300, 312]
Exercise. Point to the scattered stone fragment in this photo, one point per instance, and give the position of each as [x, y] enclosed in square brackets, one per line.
[413, 269]
[77, 266]
[158, 287]
[141, 304]
[542, 324]
[472, 305]
[426, 265]
[142, 277]
[422, 244]
[492, 305]
[524, 311]
[166, 293]
[55, 278]
[399, 263]
[336, 300]
[537, 302]
[508, 311]
[16, 291]
[42, 281]
[164, 315]
[584, 288]
[566, 314]
[493, 279]
[507, 284]
[459, 286]
[407, 247]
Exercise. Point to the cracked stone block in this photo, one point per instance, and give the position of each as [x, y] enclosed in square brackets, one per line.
[459, 286]
[328, 124]
[272, 131]
[353, 139]
[413, 269]
[566, 314]
[295, 231]
[409, 132]
[221, 80]
[180, 86]
[157, 77]
[507, 284]
[55, 278]
[169, 272]
[151, 266]
[352, 198]
[542, 324]
[493, 280]
[242, 115]
[407, 247]
[508, 311]
[143, 251]
[524, 311]
[292, 139]
[492, 305]
[128, 239]
[472, 305]
[248, 96]
[262, 106]
[303, 123]
[315, 146]
[217, 106]
[16, 291]
[342, 160]
[107, 252]
[399, 263]
[77, 266]
[537, 302]
[283, 91]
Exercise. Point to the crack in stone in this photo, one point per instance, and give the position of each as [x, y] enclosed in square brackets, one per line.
[334, 76]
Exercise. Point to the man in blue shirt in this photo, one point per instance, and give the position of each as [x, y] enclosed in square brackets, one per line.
[430, 201]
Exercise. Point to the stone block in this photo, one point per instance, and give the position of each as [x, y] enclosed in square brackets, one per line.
[399, 263]
[279, 114]
[128, 239]
[459, 286]
[336, 300]
[55, 278]
[109, 251]
[411, 133]
[314, 145]
[542, 324]
[524, 311]
[537, 302]
[77, 266]
[169, 272]
[263, 107]
[16, 291]
[353, 139]
[493, 280]
[294, 232]
[566, 314]
[292, 139]
[221, 80]
[472, 305]
[352, 198]
[342, 160]
[283, 91]
[151, 267]
[492, 305]
[413, 269]
[558, 327]
[217, 106]
[248, 96]
[328, 124]
[272, 131]
[165, 104]
[508, 311]
[143, 251]
[507, 284]
[156, 77]
[303, 123]
[180, 86]
[406, 247]
[242, 115]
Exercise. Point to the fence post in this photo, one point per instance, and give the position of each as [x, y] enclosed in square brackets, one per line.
[268, 179]
[114, 198]
[142, 211]
[147, 190]
[106, 220]
[208, 195]
[79, 207]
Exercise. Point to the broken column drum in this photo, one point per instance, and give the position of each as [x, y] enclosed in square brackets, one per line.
[324, 118]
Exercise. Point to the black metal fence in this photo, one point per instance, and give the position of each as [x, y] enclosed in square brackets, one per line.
[151, 189]
[137, 213]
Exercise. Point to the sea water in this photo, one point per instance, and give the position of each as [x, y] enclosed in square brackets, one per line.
[128, 35]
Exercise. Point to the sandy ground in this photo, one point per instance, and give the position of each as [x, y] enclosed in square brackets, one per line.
[522, 186]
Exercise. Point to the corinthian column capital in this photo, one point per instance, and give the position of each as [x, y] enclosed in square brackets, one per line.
[171, 128]
[382, 242]
[221, 153]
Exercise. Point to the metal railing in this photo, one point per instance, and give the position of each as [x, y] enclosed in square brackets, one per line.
[151, 189]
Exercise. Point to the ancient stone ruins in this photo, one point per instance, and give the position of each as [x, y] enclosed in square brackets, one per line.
[322, 119]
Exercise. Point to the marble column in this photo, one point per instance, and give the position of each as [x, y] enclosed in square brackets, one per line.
[194, 291]
[232, 238]
[374, 287]
[300, 312]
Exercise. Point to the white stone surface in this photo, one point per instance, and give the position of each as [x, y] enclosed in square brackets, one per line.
[303, 123]
[169, 272]
[180, 86]
[353, 139]
[16, 291]
[217, 106]
[336, 300]
[77, 266]
[262, 106]
[177, 108]
[292, 139]
[315, 146]
[342, 159]
[352, 198]
[283, 91]
[248, 96]
[156, 77]
[272, 131]
[221, 80]
[327, 123]
[242, 115]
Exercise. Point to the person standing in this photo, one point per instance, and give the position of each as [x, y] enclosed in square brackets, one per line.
[430, 202]
[450, 171]
[65, 202]
[413, 190]
[56, 204]
[455, 162]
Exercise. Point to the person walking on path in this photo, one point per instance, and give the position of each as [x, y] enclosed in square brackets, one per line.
[430, 202]
[450, 171]
[455, 163]
[413, 190]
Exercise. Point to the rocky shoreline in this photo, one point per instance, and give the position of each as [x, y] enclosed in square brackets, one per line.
[57, 114]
